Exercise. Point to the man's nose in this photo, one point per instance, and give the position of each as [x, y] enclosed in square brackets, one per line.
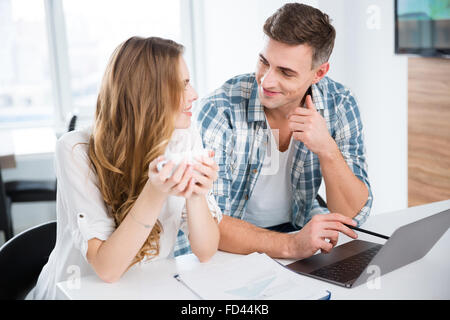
[269, 79]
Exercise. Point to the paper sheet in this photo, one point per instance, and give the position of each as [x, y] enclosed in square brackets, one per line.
[255, 276]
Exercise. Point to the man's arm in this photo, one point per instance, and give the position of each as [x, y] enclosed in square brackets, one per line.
[345, 169]
[342, 161]
[239, 236]
[346, 194]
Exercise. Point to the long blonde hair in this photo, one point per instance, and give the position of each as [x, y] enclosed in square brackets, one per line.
[134, 120]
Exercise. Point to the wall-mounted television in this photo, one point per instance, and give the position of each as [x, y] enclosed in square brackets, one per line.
[422, 27]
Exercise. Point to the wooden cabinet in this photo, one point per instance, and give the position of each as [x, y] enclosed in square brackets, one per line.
[428, 130]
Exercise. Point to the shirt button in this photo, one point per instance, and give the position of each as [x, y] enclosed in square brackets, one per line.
[255, 171]
[81, 216]
[246, 197]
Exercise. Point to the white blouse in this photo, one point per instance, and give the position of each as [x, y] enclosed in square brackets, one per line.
[82, 214]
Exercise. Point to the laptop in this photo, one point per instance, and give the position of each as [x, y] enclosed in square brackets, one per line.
[346, 264]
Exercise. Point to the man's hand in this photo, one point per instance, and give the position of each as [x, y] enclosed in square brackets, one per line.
[312, 237]
[309, 127]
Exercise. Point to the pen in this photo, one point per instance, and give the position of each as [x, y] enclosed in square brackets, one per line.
[178, 278]
[368, 232]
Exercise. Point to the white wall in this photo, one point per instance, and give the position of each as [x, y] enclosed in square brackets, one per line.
[230, 37]
[364, 60]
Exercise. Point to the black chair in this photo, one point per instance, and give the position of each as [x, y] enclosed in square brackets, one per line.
[322, 202]
[5, 213]
[72, 123]
[20, 191]
[22, 259]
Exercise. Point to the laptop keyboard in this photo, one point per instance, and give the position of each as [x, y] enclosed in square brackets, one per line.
[349, 268]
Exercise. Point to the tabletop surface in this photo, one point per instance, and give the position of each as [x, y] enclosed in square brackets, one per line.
[427, 278]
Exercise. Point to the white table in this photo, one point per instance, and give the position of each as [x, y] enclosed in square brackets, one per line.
[427, 278]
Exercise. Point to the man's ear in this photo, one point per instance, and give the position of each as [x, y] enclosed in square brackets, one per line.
[321, 72]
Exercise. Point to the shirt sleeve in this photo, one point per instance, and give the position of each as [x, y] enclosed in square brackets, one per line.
[215, 133]
[317, 209]
[350, 140]
[80, 197]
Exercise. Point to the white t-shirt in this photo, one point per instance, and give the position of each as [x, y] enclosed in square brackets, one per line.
[271, 199]
[82, 214]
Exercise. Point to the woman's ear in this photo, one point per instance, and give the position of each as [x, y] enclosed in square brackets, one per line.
[321, 72]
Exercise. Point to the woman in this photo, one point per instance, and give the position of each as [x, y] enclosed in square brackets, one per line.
[114, 207]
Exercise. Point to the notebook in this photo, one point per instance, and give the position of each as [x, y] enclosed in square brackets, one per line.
[252, 277]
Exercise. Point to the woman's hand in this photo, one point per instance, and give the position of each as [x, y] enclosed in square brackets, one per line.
[175, 184]
[187, 180]
[205, 173]
[203, 229]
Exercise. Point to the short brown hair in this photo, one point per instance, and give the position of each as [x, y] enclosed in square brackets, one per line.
[297, 23]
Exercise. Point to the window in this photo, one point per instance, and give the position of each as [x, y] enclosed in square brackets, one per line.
[25, 82]
[54, 52]
[95, 28]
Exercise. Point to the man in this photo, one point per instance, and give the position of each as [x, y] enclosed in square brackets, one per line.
[276, 134]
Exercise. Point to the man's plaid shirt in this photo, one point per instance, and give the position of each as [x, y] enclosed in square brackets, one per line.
[232, 122]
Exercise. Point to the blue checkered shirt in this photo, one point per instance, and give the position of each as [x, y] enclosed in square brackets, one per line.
[232, 122]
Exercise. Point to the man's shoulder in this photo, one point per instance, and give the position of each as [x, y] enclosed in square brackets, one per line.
[334, 88]
[228, 103]
[336, 96]
[233, 91]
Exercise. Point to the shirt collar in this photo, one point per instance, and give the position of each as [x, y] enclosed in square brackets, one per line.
[317, 96]
[255, 110]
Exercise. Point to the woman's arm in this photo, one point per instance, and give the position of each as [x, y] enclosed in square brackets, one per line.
[203, 230]
[112, 257]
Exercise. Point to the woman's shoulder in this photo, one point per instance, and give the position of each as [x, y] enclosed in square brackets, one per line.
[73, 143]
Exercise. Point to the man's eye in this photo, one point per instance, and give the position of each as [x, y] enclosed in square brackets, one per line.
[264, 62]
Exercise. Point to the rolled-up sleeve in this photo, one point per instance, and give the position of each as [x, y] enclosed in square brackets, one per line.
[350, 140]
[80, 196]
